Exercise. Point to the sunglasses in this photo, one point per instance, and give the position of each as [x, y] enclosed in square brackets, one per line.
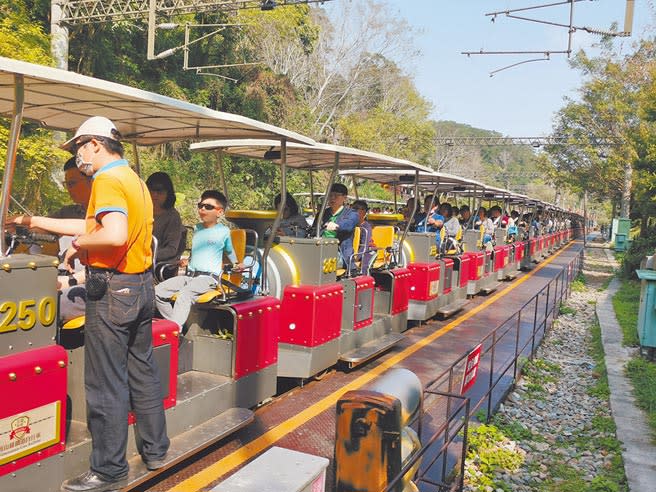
[208, 206]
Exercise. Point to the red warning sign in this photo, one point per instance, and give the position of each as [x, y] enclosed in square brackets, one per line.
[471, 369]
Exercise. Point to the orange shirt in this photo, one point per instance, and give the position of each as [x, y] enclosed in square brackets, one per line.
[117, 188]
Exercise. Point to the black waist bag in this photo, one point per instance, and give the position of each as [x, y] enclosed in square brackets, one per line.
[96, 285]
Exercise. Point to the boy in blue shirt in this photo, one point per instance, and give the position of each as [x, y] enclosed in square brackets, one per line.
[208, 244]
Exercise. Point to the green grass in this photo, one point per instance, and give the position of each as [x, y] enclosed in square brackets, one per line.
[600, 388]
[578, 284]
[514, 430]
[540, 370]
[487, 453]
[625, 304]
[643, 376]
[566, 310]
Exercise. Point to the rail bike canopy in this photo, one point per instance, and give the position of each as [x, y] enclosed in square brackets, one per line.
[307, 194]
[430, 180]
[62, 100]
[308, 157]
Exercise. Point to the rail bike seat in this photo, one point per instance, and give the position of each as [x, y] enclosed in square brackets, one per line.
[229, 286]
[356, 258]
[383, 238]
[450, 245]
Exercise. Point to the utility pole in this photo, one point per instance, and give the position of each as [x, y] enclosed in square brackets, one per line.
[59, 35]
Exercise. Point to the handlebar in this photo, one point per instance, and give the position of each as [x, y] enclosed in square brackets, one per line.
[22, 235]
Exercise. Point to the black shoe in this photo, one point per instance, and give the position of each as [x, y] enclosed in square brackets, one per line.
[92, 482]
[153, 465]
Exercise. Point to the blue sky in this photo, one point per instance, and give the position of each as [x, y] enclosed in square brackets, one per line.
[515, 102]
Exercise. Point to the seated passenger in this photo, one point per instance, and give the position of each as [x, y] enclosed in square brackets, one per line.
[496, 216]
[67, 222]
[293, 223]
[210, 240]
[465, 215]
[432, 220]
[485, 223]
[419, 219]
[513, 230]
[339, 220]
[167, 225]
[452, 227]
[367, 247]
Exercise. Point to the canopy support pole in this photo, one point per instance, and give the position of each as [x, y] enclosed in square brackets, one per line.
[412, 214]
[312, 203]
[281, 210]
[319, 217]
[10, 161]
[224, 185]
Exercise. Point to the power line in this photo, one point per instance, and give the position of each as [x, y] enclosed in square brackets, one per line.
[571, 29]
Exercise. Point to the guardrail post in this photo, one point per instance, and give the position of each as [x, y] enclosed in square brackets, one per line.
[546, 309]
[535, 324]
[519, 327]
[489, 397]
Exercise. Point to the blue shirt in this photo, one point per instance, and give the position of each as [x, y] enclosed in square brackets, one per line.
[423, 226]
[207, 247]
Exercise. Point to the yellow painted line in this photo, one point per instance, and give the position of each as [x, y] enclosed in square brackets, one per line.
[237, 458]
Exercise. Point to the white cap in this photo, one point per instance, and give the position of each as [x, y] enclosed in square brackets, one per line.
[98, 126]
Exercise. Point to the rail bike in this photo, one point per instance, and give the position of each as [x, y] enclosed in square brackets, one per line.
[209, 385]
[292, 314]
[327, 315]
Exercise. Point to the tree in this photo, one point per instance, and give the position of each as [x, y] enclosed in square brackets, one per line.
[608, 107]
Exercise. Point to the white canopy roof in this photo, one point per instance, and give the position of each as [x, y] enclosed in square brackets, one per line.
[317, 156]
[427, 180]
[62, 100]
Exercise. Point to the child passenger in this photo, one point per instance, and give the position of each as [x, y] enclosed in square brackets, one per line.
[210, 240]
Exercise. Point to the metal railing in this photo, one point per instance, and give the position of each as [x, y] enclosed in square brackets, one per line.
[502, 356]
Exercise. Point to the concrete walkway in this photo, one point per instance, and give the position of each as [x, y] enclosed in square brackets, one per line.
[638, 450]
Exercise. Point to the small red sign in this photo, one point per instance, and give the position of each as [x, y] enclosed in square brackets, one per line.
[471, 369]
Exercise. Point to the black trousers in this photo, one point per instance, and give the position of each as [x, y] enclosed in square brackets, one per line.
[120, 374]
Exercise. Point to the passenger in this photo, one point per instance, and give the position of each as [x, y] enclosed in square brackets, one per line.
[465, 215]
[167, 226]
[513, 230]
[339, 220]
[72, 301]
[495, 214]
[293, 223]
[535, 225]
[452, 226]
[119, 368]
[505, 217]
[485, 223]
[456, 212]
[429, 220]
[407, 212]
[367, 248]
[210, 240]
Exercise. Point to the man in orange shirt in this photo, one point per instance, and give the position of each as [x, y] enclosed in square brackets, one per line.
[115, 245]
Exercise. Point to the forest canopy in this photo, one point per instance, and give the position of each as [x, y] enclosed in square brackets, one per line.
[337, 80]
